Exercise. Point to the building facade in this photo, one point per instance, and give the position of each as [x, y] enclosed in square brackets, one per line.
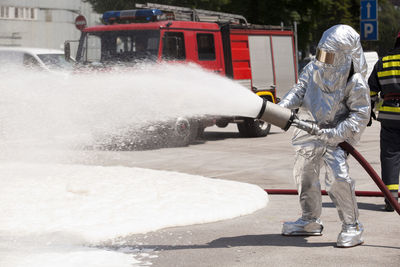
[42, 23]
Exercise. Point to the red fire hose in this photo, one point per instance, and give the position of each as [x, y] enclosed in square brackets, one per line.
[349, 148]
[323, 192]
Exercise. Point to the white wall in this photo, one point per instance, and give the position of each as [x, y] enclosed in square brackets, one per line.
[53, 22]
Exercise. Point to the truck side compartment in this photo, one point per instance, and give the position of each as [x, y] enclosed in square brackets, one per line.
[241, 59]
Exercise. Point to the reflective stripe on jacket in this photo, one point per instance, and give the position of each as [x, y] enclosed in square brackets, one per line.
[385, 81]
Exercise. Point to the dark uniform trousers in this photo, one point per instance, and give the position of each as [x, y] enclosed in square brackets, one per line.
[390, 156]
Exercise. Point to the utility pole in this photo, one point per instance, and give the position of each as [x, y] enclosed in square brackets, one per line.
[295, 46]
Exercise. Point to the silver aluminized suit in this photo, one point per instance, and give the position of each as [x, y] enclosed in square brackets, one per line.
[340, 105]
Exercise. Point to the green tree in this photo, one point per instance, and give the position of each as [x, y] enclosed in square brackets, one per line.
[332, 12]
[312, 16]
[100, 6]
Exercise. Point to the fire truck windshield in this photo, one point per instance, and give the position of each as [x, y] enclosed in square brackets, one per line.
[119, 46]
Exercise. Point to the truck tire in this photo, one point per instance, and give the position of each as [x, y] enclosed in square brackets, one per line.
[200, 132]
[222, 123]
[196, 130]
[182, 132]
[253, 128]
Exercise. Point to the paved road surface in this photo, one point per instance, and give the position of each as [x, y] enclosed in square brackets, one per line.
[255, 240]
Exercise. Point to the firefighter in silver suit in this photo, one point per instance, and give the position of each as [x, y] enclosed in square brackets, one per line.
[331, 93]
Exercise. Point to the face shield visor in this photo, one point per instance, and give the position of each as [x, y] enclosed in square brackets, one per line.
[331, 69]
[324, 56]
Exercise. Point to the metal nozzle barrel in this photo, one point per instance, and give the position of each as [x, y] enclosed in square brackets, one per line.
[276, 115]
[307, 126]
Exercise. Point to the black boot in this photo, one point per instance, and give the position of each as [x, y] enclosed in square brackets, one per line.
[389, 207]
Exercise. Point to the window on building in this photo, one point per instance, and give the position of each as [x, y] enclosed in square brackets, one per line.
[174, 46]
[20, 13]
[4, 12]
[48, 15]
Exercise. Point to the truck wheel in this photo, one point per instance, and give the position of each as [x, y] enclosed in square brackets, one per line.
[253, 128]
[196, 129]
[182, 129]
[200, 132]
[222, 123]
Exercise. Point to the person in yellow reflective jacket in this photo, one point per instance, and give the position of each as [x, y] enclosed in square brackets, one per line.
[384, 84]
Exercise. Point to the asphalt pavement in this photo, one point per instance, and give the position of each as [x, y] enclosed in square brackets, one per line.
[255, 239]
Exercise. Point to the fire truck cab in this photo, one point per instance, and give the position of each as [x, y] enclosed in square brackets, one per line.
[261, 58]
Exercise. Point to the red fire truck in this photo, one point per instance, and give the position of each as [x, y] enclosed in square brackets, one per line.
[261, 58]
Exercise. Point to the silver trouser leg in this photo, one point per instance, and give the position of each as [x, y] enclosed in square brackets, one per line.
[340, 186]
[306, 173]
[341, 189]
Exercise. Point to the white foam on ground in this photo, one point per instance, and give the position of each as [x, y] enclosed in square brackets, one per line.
[52, 213]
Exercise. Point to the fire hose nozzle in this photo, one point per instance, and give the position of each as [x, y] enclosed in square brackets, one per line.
[276, 115]
[283, 118]
[307, 126]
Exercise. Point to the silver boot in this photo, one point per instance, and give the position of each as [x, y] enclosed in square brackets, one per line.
[303, 227]
[350, 235]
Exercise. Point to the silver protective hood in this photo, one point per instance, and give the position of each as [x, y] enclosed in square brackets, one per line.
[344, 41]
[327, 96]
[337, 50]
